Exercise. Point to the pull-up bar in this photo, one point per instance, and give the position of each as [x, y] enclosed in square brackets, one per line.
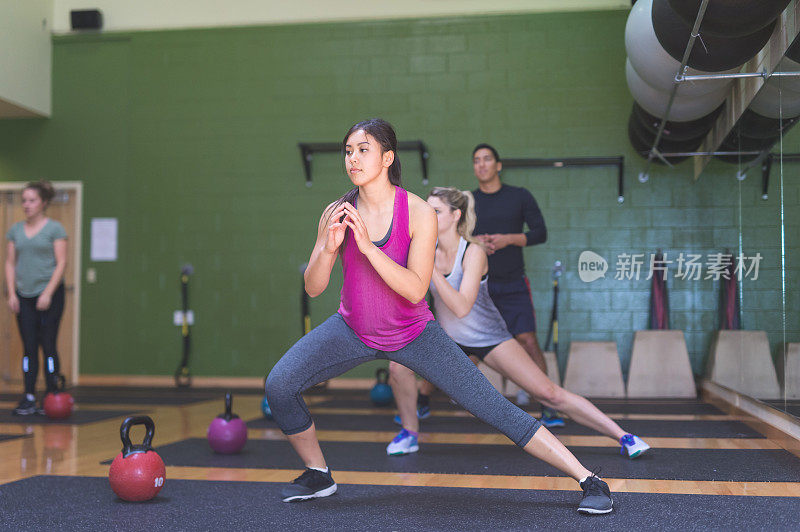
[618, 162]
[308, 149]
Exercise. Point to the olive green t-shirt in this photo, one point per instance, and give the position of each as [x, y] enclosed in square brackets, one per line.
[36, 259]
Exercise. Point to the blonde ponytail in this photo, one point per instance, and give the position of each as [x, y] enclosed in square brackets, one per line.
[463, 201]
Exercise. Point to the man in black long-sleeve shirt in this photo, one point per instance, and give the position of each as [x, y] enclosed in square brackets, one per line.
[502, 210]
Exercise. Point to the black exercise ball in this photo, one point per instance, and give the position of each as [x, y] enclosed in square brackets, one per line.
[642, 140]
[678, 130]
[736, 142]
[793, 52]
[665, 145]
[756, 126]
[730, 18]
[723, 52]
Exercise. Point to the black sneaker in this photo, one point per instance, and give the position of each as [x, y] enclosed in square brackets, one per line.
[311, 484]
[25, 407]
[596, 497]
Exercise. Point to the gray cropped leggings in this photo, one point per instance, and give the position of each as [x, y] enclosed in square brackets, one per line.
[333, 348]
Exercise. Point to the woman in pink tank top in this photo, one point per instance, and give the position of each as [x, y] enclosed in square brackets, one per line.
[386, 239]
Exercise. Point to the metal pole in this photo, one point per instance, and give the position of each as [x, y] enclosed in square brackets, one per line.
[703, 77]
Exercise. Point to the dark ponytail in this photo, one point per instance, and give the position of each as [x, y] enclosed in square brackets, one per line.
[44, 189]
[383, 132]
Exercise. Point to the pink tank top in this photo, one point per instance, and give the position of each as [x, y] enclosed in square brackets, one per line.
[381, 317]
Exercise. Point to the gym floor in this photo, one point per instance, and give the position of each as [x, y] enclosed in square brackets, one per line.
[710, 467]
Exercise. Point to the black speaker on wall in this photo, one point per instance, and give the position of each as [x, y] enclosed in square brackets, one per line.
[86, 19]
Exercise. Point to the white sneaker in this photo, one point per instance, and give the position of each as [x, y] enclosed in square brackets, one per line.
[632, 445]
[523, 398]
[403, 443]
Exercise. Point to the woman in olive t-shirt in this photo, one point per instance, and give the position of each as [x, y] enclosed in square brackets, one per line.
[35, 263]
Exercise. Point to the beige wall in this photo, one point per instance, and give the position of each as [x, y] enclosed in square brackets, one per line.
[25, 57]
[125, 15]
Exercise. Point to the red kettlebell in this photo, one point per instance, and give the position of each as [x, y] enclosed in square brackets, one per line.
[58, 403]
[227, 433]
[137, 473]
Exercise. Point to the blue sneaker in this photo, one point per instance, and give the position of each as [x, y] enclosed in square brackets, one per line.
[551, 419]
[403, 443]
[632, 446]
[423, 412]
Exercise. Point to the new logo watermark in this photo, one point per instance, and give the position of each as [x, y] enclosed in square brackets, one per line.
[591, 266]
[688, 266]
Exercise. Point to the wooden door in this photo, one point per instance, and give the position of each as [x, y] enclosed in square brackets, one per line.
[64, 208]
[9, 334]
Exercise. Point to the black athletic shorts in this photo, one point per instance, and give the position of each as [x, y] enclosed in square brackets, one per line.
[513, 300]
[479, 352]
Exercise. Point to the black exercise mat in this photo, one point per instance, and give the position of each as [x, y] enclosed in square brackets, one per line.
[78, 417]
[657, 406]
[617, 407]
[666, 464]
[640, 427]
[147, 395]
[790, 407]
[83, 503]
[127, 397]
[157, 396]
[172, 390]
[156, 400]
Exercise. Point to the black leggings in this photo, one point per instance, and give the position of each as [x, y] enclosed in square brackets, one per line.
[40, 327]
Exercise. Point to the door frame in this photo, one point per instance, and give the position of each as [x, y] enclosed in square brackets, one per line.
[75, 187]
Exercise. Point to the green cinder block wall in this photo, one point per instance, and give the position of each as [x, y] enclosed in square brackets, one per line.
[190, 139]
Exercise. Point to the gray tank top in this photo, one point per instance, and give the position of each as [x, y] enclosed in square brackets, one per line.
[483, 326]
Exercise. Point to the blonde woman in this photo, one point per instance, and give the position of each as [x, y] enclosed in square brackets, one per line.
[465, 311]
